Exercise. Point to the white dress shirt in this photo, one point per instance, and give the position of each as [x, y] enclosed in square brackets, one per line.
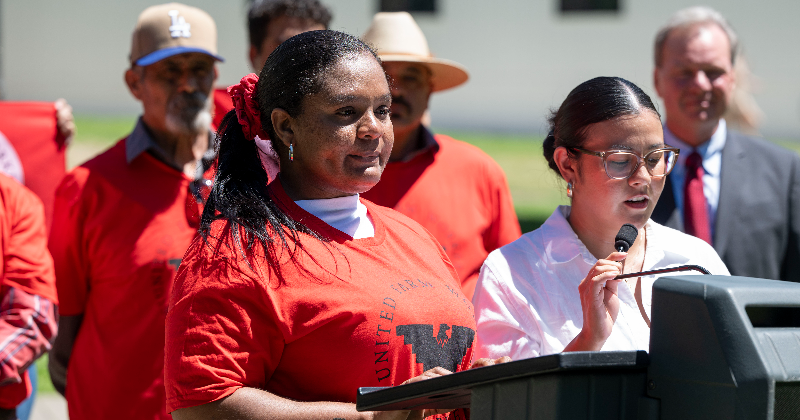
[347, 214]
[527, 302]
[711, 152]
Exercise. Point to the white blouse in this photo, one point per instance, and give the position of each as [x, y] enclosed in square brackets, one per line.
[527, 302]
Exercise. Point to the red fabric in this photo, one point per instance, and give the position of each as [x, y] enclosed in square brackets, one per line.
[246, 106]
[695, 210]
[28, 323]
[12, 395]
[27, 263]
[31, 129]
[222, 105]
[27, 327]
[460, 195]
[343, 319]
[119, 233]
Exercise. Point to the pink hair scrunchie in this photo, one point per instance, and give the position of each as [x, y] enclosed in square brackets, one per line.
[246, 107]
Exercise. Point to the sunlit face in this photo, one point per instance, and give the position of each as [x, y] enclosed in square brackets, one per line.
[280, 29]
[603, 201]
[343, 137]
[411, 89]
[695, 78]
[175, 92]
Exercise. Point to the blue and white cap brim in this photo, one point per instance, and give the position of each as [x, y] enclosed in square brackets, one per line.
[159, 55]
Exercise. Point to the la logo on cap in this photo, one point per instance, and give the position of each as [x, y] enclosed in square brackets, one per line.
[179, 27]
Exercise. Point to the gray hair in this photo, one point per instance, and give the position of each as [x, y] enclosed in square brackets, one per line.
[692, 16]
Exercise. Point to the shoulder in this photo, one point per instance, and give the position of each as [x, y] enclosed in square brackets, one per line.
[466, 153]
[757, 148]
[13, 191]
[688, 247]
[214, 261]
[110, 161]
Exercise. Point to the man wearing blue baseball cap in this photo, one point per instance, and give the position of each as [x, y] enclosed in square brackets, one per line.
[123, 220]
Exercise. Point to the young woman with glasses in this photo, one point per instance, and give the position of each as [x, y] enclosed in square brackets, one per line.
[553, 289]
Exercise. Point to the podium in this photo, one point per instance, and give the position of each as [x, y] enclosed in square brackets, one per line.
[720, 347]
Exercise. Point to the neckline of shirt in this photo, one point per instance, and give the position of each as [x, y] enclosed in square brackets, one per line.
[347, 214]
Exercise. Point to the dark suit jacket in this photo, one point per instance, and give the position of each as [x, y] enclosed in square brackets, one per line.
[757, 231]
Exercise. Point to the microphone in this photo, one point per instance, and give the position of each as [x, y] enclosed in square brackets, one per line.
[625, 237]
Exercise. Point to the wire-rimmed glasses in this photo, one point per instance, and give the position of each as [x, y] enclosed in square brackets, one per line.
[622, 164]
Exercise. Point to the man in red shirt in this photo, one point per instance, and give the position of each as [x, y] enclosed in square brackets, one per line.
[269, 23]
[124, 219]
[451, 188]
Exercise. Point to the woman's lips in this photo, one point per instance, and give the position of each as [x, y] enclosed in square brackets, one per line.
[639, 202]
[367, 158]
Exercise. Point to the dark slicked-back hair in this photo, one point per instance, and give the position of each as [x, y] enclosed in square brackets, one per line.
[296, 69]
[262, 12]
[593, 101]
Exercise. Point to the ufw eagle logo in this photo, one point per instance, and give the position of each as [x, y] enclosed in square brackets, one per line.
[437, 350]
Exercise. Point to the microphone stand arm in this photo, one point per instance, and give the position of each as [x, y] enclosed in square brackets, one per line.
[663, 270]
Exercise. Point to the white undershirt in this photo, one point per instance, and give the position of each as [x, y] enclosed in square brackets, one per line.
[347, 214]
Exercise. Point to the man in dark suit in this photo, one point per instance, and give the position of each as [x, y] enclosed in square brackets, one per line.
[739, 193]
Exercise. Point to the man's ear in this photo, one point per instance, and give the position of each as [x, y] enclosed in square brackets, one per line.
[252, 54]
[656, 83]
[133, 78]
[282, 124]
[566, 165]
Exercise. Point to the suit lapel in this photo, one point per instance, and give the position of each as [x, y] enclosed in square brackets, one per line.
[730, 184]
[665, 212]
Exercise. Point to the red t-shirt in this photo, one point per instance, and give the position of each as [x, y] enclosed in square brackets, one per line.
[222, 104]
[119, 232]
[27, 266]
[365, 312]
[460, 195]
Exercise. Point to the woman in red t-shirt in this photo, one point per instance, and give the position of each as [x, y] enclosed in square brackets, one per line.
[296, 292]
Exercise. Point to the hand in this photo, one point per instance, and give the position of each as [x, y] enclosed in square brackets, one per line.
[64, 120]
[485, 361]
[600, 303]
[415, 414]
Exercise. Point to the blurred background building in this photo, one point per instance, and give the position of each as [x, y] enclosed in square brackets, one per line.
[523, 55]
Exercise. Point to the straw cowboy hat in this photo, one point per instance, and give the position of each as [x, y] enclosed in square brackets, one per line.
[397, 37]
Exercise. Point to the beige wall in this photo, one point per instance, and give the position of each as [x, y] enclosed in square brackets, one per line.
[523, 56]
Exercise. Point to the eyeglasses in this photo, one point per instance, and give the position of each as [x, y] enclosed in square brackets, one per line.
[622, 165]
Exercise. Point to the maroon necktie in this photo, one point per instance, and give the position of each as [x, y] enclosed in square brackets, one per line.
[695, 212]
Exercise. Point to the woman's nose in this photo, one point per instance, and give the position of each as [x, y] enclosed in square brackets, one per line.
[370, 127]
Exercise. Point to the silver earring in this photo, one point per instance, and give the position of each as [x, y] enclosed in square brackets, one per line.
[569, 189]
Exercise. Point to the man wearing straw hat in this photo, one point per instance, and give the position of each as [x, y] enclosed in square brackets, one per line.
[453, 189]
[123, 220]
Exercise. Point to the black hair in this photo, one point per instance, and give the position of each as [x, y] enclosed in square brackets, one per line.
[240, 195]
[262, 12]
[593, 101]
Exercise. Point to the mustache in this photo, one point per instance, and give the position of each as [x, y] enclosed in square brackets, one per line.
[399, 100]
[188, 102]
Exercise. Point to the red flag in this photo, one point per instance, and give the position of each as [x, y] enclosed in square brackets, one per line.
[31, 128]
